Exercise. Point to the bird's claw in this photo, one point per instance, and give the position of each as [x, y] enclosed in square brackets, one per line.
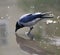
[27, 33]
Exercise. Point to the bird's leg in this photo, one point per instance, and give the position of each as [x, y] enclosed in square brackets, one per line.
[30, 30]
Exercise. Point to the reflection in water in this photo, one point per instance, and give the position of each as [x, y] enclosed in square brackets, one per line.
[30, 46]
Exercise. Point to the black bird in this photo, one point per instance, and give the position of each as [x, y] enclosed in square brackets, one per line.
[28, 20]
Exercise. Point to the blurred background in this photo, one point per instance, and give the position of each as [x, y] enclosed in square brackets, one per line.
[46, 32]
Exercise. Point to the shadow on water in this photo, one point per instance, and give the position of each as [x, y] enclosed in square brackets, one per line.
[30, 46]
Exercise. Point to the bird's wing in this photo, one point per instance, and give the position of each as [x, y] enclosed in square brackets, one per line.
[25, 15]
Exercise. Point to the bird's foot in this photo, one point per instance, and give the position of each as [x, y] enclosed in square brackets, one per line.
[26, 33]
[29, 35]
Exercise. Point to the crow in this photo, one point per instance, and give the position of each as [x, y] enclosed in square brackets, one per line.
[28, 20]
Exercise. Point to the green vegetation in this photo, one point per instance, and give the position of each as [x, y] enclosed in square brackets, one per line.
[39, 5]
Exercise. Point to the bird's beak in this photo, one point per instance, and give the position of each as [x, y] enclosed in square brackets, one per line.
[16, 30]
[17, 27]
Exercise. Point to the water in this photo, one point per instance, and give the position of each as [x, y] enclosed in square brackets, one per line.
[11, 44]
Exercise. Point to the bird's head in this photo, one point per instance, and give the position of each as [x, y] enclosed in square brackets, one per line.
[18, 26]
